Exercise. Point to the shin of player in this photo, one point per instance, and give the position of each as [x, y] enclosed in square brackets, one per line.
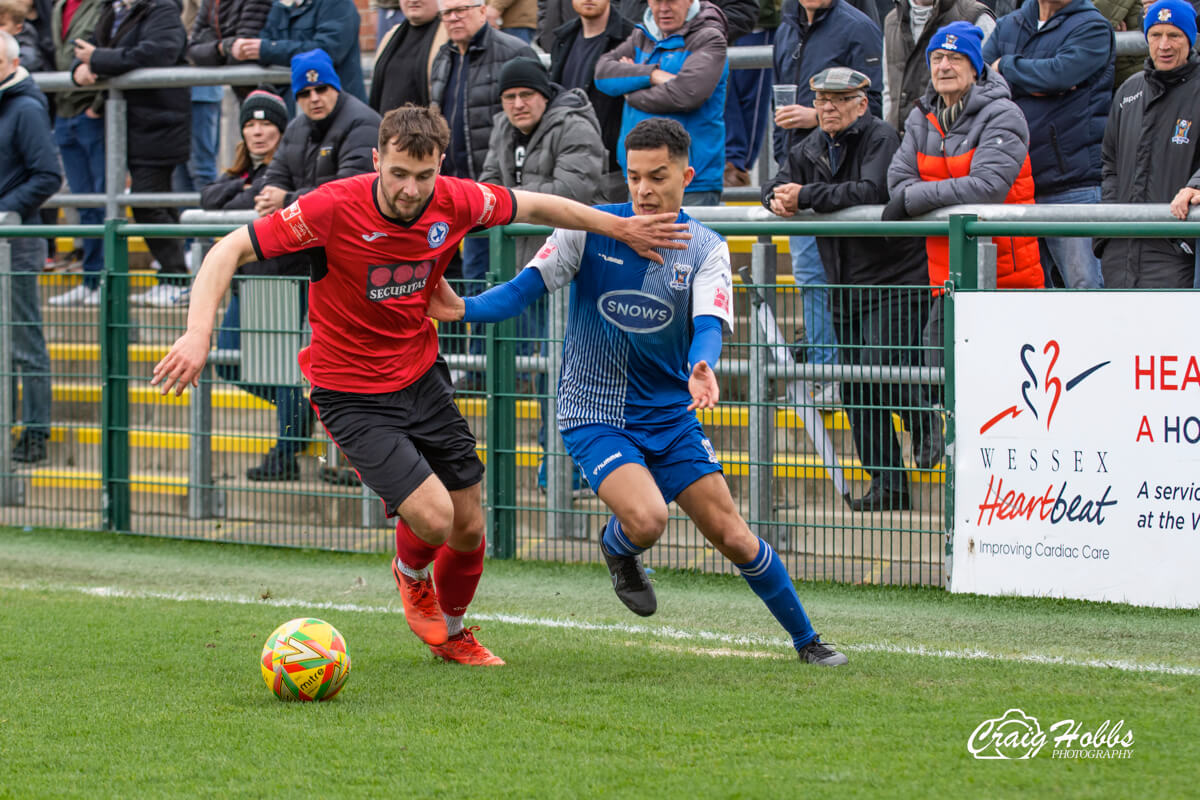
[641, 342]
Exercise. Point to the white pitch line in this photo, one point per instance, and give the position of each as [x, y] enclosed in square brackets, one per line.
[639, 630]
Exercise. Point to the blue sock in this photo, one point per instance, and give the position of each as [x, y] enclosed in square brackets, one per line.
[617, 543]
[769, 579]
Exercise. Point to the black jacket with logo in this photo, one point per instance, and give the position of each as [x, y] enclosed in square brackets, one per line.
[312, 153]
[1151, 150]
[867, 147]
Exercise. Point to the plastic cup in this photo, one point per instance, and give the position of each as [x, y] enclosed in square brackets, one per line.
[784, 94]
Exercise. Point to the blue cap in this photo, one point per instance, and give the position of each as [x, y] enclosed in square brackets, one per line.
[1172, 12]
[962, 37]
[313, 68]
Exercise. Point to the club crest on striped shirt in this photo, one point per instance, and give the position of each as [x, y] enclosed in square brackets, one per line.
[679, 278]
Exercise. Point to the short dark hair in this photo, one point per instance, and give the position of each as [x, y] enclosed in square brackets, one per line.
[656, 132]
[417, 130]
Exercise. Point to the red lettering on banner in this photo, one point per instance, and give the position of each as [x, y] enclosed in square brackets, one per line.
[1144, 430]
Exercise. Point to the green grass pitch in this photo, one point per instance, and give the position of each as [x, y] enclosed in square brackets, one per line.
[131, 670]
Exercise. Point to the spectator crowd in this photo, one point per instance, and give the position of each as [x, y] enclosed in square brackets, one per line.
[909, 104]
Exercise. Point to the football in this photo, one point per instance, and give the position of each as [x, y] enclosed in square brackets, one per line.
[305, 659]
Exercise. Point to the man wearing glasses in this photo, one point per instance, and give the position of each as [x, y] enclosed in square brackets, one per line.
[844, 163]
[464, 86]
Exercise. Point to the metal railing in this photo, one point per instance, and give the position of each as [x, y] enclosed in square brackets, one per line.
[789, 492]
[114, 198]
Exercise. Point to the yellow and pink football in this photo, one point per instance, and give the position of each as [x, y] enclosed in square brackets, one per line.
[305, 659]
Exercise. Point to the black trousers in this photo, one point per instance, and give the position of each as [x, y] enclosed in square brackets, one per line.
[883, 327]
[168, 252]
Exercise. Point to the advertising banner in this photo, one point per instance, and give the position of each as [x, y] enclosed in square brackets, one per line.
[1077, 452]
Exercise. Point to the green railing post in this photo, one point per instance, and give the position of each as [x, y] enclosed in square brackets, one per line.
[964, 275]
[114, 373]
[501, 381]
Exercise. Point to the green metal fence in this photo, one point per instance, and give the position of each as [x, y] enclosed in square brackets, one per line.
[123, 458]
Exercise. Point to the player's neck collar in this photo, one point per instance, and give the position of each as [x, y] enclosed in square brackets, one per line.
[396, 220]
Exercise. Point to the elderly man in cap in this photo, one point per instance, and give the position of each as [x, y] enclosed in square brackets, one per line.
[1150, 150]
[965, 142]
[844, 163]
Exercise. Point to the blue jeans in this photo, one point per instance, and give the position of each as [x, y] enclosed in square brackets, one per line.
[293, 412]
[1077, 264]
[30, 359]
[747, 106]
[818, 321]
[201, 168]
[81, 142]
[524, 34]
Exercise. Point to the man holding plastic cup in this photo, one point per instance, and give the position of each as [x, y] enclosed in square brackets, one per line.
[816, 35]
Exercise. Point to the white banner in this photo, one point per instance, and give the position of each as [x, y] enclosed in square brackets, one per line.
[1077, 453]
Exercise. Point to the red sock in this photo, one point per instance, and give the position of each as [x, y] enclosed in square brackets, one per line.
[456, 575]
[411, 549]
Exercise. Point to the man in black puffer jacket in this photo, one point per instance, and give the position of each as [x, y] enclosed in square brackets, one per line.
[331, 138]
[465, 86]
[218, 24]
[841, 164]
[129, 35]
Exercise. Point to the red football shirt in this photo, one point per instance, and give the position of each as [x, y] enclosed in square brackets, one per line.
[367, 302]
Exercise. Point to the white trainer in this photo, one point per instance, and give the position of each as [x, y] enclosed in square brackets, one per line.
[162, 296]
[81, 295]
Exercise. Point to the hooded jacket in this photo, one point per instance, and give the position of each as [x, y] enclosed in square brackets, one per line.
[487, 53]
[315, 152]
[159, 128]
[564, 155]
[1150, 152]
[865, 150]
[696, 54]
[906, 65]
[982, 158]
[29, 160]
[1061, 76]
[331, 25]
[839, 36]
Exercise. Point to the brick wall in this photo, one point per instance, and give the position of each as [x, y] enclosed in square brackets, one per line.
[366, 30]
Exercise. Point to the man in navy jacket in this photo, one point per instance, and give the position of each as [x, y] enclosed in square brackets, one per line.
[1057, 56]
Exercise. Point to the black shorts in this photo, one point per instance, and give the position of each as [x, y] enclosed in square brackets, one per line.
[396, 440]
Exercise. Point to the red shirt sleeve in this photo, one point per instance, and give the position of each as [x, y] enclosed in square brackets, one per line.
[490, 205]
[305, 223]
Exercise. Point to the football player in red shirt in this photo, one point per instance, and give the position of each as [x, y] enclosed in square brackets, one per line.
[379, 244]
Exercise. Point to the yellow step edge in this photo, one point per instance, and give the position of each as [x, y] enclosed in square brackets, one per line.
[85, 479]
[736, 464]
[231, 398]
[66, 244]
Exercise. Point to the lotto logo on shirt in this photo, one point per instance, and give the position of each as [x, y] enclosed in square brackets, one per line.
[293, 217]
[386, 281]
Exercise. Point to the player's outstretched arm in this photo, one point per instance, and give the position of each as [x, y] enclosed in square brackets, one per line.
[182, 364]
[644, 234]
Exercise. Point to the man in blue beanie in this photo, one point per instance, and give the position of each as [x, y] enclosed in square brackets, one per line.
[1152, 148]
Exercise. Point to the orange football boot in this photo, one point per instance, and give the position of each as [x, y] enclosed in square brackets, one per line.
[465, 649]
[420, 607]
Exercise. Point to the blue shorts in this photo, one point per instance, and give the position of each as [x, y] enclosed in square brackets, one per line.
[677, 454]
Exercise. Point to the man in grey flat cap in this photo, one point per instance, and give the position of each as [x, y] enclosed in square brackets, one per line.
[844, 163]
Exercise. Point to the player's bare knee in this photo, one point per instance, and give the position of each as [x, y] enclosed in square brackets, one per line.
[644, 526]
[433, 523]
